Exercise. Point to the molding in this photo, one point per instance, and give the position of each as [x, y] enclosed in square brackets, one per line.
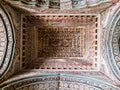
[61, 81]
[109, 43]
[9, 29]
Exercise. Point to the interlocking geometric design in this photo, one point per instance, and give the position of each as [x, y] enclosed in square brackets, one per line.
[67, 39]
[60, 49]
[61, 42]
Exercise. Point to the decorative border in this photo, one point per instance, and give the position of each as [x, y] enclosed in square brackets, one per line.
[109, 44]
[116, 43]
[59, 82]
[3, 40]
[10, 42]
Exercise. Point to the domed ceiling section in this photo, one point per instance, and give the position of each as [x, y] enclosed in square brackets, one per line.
[6, 41]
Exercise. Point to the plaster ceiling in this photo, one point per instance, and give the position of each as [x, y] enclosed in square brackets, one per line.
[77, 48]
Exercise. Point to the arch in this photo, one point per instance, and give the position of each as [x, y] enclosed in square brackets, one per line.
[58, 82]
[112, 42]
[7, 41]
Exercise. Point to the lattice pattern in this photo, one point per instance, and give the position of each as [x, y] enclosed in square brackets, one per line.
[61, 42]
[82, 42]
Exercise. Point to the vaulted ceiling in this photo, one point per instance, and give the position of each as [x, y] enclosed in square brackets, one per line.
[59, 44]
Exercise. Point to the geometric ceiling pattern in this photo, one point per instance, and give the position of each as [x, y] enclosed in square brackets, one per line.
[42, 48]
[61, 44]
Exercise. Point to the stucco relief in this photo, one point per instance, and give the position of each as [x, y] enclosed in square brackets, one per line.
[57, 32]
[6, 41]
[61, 42]
[47, 28]
[63, 4]
[112, 42]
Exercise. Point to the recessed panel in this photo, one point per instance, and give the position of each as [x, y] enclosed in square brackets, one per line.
[60, 42]
[67, 42]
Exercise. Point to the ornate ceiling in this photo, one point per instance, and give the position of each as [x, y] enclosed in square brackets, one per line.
[68, 6]
[6, 41]
[64, 47]
[63, 4]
